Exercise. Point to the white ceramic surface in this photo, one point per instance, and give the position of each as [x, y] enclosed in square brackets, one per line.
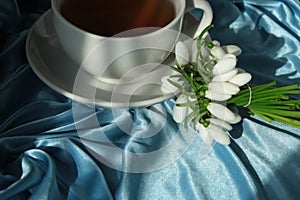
[58, 71]
[97, 53]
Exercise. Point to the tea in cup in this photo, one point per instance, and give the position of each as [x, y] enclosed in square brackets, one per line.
[108, 38]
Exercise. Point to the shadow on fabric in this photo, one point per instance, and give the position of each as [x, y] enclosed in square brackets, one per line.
[265, 52]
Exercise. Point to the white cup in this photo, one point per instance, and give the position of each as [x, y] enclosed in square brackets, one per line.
[111, 57]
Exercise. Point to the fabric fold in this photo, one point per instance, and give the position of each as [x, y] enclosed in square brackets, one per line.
[54, 148]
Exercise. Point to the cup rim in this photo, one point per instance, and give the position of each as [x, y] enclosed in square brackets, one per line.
[178, 16]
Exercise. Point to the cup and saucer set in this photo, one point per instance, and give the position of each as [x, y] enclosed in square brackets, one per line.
[110, 72]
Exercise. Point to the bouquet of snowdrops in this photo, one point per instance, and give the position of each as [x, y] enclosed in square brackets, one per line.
[211, 89]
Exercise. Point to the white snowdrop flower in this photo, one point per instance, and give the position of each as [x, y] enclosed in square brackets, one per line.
[223, 88]
[195, 51]
[217, 96]
[230, 56]
[182, 53]
[221, 112]
[217, 52]
[180, 112]
[221, 123]
[241, 79]
[218, 134]
[240, 70]
[232, 49]
[226, 64]
[206, 138]
[226, 76]
[211, 133]
[192, 50]
[237, 118]
[216, 43]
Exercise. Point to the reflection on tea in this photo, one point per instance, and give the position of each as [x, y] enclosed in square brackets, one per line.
[110, 17]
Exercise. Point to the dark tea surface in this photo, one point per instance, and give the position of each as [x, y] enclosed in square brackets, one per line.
[110, 17]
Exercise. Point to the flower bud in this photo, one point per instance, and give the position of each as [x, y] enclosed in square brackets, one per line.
[217, 96]
[237, 118]
[226, 76]
[241, 79]
[218, 134]
[207, 139]
[223, 88]
[226, 64]
[240, 70]
[232, 49]
[216, 43]
[218, 52]
[221, 123]
[221, 112]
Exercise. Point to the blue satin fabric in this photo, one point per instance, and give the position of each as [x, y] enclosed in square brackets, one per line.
[42, 156]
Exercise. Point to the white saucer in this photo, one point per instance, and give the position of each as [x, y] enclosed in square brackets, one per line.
[58, 71]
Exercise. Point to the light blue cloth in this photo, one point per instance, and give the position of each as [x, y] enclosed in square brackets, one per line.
[42, 156]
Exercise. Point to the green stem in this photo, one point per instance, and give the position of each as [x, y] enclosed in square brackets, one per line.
[264, 86]
[262, 91]
[283, 89]
[280, 107]
[244, 101]
[245, 92]
[192, 103]
[190, 117]
[261, 115]
[174, 83]
[289, 102]
[263, 98]
[199, 41]
[293, 114]
[272, 117]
